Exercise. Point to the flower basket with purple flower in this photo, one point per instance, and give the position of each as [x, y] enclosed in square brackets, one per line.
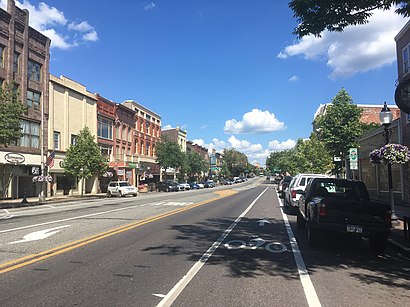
[375, 156]
[394, 154]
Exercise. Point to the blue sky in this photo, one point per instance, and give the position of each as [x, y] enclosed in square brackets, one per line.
[230, 72]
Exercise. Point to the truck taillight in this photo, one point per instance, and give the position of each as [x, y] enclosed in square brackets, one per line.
[322, 210]
[293, 193]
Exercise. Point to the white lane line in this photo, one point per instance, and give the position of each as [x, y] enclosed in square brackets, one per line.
[69, 219]
[7, 211]
[307, 284]
[179, 287]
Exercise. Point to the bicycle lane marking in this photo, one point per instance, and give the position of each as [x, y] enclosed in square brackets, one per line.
[172, 295]
[308, 288]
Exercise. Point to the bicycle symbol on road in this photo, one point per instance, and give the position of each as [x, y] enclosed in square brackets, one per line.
[257, 243]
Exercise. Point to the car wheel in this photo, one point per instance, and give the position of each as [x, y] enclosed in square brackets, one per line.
[167, 190]
[378, 244]
[300, 222]
[313, 235]
[120, 193]
[135, 195]
[109, 194]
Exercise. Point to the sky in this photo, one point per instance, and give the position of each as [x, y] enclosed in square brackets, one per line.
[229, 72]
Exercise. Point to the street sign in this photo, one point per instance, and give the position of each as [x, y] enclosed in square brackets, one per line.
[353, 154]
[354, 165]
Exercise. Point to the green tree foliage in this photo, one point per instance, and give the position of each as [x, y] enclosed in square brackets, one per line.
[84, 160]
[11, 110]
[235, 162]
[340, 126]
[315, 16]
[169, 154]
[308, 156]
[196, 164]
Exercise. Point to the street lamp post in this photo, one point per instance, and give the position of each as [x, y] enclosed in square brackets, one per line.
[386, 117]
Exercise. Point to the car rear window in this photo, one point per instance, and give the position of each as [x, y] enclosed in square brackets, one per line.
[124, 184]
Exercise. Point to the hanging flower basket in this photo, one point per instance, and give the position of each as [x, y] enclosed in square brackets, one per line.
[375, 156]
[390, 154]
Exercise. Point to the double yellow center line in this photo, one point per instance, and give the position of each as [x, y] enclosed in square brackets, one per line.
[33, 258]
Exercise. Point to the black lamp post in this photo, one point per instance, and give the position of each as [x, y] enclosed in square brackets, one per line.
[386, 117]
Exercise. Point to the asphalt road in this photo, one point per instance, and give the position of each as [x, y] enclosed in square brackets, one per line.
[187, 249]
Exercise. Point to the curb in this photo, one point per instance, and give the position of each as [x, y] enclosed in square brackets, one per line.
[399, 247]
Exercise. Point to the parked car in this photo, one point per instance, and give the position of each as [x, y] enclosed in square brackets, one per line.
[167, 186]
[201, 185]
[283, 184]
[194, 186]
[299, 182]
[330, 205]
[209, 184]
[184, 186]
[121, 188]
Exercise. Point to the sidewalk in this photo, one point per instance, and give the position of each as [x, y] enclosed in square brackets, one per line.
[397, 239]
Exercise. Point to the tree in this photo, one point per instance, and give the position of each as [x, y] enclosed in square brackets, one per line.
[235, 161]
[84, 159]
[169, 154]
[195, 164]
[340, 126]
[11, 110]
[315, 16]
[312, 156]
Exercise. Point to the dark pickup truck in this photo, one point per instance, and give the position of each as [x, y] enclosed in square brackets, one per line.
[342, 206]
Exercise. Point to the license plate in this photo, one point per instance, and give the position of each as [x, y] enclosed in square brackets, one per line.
[354, 228]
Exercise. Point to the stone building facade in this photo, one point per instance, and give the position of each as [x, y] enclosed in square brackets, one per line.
[24, 60]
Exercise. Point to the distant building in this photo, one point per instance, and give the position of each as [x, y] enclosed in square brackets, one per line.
[25, 55]
[177, 135]
[146, 136]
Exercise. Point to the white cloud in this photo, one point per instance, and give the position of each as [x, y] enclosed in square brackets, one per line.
[293, 79]
[52, 22]
[80, 27]
[254, 122]
[357, 49]
[91, 36]
[150, 6]
[166, 127]
[279, 146]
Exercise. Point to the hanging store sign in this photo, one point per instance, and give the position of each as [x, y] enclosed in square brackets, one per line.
[42, 178]
[14, 158]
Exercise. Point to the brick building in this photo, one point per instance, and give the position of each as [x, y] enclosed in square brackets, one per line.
[146, 136]
[25, 55]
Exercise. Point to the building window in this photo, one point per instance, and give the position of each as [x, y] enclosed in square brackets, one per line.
[73, 140]
[33, 100]
[34, 70]
[406, 55]
[2, 56]
[147, 149]
[106, 151]
[16, 62]
[147, 124]
[105, 128]
[56, 140]
[31, 134]
[123, 132]
[129, 135]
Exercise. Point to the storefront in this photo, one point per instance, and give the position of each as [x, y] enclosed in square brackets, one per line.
[17, 171]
